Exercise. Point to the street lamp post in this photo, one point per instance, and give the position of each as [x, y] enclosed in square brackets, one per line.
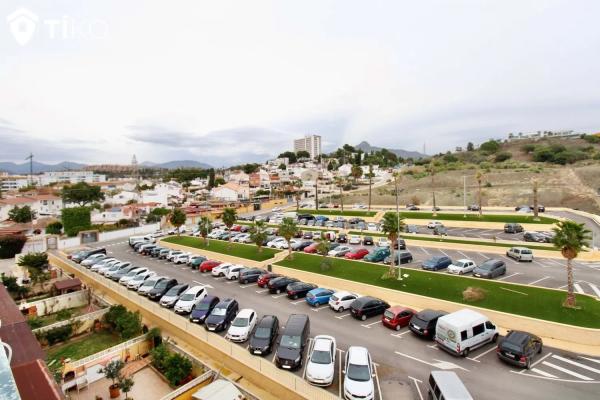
[392, 261]
[465, 196]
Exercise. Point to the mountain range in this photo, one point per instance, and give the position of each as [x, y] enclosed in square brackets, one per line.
[367, 148]
[38, 167]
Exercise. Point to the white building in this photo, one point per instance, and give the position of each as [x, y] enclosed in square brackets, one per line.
[230, 192]
[48, 178]
[42, 205]
[310, 143]
[12, 183]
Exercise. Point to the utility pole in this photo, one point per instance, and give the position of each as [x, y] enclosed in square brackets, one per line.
[392, 261]
[465, 196]
[30, 158]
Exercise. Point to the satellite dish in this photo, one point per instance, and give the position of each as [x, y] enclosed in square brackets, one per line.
[309, 175]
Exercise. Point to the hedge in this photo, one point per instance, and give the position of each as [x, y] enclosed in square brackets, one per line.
[76, 219]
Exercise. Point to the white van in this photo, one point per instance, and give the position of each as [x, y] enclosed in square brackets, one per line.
[446, 385]
[462, 331]
[290, 214]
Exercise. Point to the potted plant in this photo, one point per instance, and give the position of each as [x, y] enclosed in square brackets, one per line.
[112, 371]
[126, 384]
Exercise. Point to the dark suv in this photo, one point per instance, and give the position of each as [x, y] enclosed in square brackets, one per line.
[250, 275]
[263, 337]
[293, 341]
[423, 323]
[221, 316]
[519, 348]
[365, 307]
[278, 285]
[299, 289]
[161, 288]
[513, 228]
[202, 309]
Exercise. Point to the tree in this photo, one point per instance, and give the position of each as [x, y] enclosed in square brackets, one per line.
[490, 147]
[11, 245]
[81, 193]
[297, 184]
[282, 167]
[250, 168]
[21, 214]
[288, 229]
[34, 260]
[534, 184]
[205, 226]
[479, 177]
[570, 238]
[54, 228]
[470, 146]
[302, 154]
[391, 225]
[340, 182]
[356, 172]
[370, 175]
[211, 178]
[113, 371]
[290, 155]
[323, 249]
[75, 220]
[177, 218]
[229, 217]
[177, 368]
[432, 172]
[126, 384]
[258, 234]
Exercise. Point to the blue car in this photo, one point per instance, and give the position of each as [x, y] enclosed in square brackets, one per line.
[436, 263]
[203, 308]
[378, 254]
[318, 296]
[321, 218]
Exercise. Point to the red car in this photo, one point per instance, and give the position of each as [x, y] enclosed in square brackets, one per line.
[312, 248]
[236, 228]
[264, 279]
[357, 254]
[397, 316]
[208, 265]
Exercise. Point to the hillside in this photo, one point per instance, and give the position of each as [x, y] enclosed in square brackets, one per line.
[367, 148]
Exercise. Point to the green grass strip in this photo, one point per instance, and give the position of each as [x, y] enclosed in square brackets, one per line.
[474, 217]
[338, 212]
[220, 246]
[528, 301]
[76, 349]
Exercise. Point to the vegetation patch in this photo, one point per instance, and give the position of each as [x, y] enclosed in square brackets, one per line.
[79, 348]
[518, 219]
[218, 246]
[338, 212]
[529, 301]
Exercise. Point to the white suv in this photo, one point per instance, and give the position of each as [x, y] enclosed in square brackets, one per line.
[242, 325]
[278, 243]
[233, 272]
[358, 374]
[520, 254]
[340, 301]
[189, 298]
[181, 258]
[221, 269]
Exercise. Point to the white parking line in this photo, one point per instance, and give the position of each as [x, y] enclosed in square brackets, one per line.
[509, 276]
[377, 381]
[399, 335]
[463, 254]
[424, 251]
[590, 359]
[340, 376]
[567, 371]
[444, 253]
[538, 280]
[432, 346]
[371, 324]
[482, 354]
[297, 302]
[262, 291]
[316, 309]
[245, 286]
[276, 296]
[576, 364]
[541, 359]
[342, 316]
[578, 288]
[543, 373]
[416, 382]
[595, 289]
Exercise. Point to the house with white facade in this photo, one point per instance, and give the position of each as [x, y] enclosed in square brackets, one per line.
[230, 192]
[42, 205]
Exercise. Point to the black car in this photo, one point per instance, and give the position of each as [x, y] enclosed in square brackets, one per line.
[172, 296]
[265, 334]
[342, 238]
[412, 207]
[221, 316]
[367, 306]
[519, 348]
[250, 275]
[423, 323]
[473, 207]
[148, 250]
[83, 254]
[400, 244]
[404, 256]
[304, 245]
[161, 288]
[541, 208]
[299, 289]
[279, 285]
[513, 228]
[293, 341]
[202, 309]
[137, 246]
[305, 216]
[534, 237]
[368, 240]
[122, 272]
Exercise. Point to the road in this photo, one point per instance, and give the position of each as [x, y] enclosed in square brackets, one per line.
[403, 359]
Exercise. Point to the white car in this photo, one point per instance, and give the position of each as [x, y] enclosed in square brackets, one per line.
[93, 259]
[358, 374]
[233, 272]
[462, 266]
[214, 234]
[433, 224]
[354, 239]
[144, 246]
[277, 243]
[131, 274]
[158, 234]
[383, 242]
[149, 284]
[139, 280]
[101, 263]
[103, 267]
[340, 301]
[116, 268]
[372, 226]
[320, 368]
[239, 238]
[181, 258]
[339, 251]
[189, 299]
[173, 231]
[172, 254]
[242, 325]
[221, 269]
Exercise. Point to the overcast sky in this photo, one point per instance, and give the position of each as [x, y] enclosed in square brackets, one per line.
[228, 81]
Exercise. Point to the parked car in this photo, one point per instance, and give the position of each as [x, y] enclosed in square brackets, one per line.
[541, 208]
[358, 374]
[520, 254]
[189, 299]
[368, 241]
[250, 275]
[293, 341]
[203, 308]
[149, 284]
[116, 268]
[339, 251]
[400, 244]
[436, 263]
[221, 269]
[93, 259]
[473, 207]
[172, 296]
[367, 306]
[264, 278]
[221, 316]
[312, 248]
[424, 322]
[383, 242]
[194, 257]
[356, 254]
[297, 290]
[520, 348]
[132, 274]
[462, 331]
[138, 280]
[461, 267]
[196, 261]
[208, 265]
[304, 245]
[122, 272]
[163, 254]
[433, 224]
[443, 385]
[307, 235]
[405, 257]
[278, 285]
[411, 229]
[341, 301]
[397, 317]
[264, 336]
[412, 207]
[318, 296]
[342, 238]
[491, 268]
[440, 230]
[233, 272]
[534, 237]
[513, 228]
[378, 254]
[372, 226]
[354, 239]
[172, 254]
[278, 243]
[83, 254]
[242, 325]
[156, 251]
[181, 258]
[320, 365]
[161, 288]
[96, 266]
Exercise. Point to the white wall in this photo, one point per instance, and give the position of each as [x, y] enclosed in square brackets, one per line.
[57, 303]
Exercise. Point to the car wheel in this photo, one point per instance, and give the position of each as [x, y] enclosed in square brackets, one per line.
[278, 291]
[341, 309]
[528, 364]
[295, 297]
[363, 317]
[540, 349]
[465, 352]
[495, 338]
[398, 327]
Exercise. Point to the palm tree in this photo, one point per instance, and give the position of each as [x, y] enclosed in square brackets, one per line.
[432, 172]
[288, 229]
[535, 200]
[391, 225]
[356, 172]
[370, 183]
[570, 238]
[205, 227]
[479, 176]
[258, 234]
[339, 182]
[323, 249]
[229, 217]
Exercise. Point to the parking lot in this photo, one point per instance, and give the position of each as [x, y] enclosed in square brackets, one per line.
[404, 360]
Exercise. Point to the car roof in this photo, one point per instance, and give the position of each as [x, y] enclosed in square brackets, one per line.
[245, 312]
[296, 321]
[225, 302]
[397, 309]
[451, 385]
[517, 337]
[430, 314]
[464, 260]
[322, 342]
[267, 320]
[344, 293]
[358, 355]
[195, 289]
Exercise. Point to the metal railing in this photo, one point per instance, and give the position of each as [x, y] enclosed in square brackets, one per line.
[85, 317]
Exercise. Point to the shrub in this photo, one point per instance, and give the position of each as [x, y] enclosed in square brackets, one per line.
[591, 138]
[54, 228]
[59, 334]
[35, 322]
[490, 147]
[503, 156]
[528, 148]
[177, 368]
[11, 245]
[128, 324]
[63, 314]
[76, 219]
[34, 260]
[159, 355]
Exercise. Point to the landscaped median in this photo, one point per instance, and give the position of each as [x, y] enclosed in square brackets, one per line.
[501, 218]
[338, 212]
[239, 250]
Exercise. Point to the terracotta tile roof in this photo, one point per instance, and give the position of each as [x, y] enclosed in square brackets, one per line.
[67, 284]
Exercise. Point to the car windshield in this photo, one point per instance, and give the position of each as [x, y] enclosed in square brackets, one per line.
[150, 282]
[139, 278]
[162, 284]
[188, 296]
[460, 264]
[219, 311]
[240, 322]
[202, 306]
[436, 259]
[321, 357]
[290, 341]
[173, 291]
[334, 298]
[132, 273]
[359, 373]
[389, 314]
[487, 266]
[262, 333]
